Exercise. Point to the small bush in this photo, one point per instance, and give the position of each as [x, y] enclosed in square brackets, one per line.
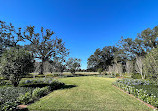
[134, 81]
[4, 82]
[39, 92]
[56, 85]
[139, 93]
[117, 75]
[9, 95]
[136, 76]
[9, 106]
[25, 98]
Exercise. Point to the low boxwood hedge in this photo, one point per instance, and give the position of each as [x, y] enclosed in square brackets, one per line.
[10, 97]
[139, 93]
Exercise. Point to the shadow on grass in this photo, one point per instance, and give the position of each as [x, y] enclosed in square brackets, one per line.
[68, 86]
[35, 85]
[43, 85]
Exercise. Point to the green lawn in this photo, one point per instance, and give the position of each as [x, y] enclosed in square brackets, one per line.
[90, 93]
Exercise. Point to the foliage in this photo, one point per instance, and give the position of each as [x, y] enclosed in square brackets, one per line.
[136, 76]
[9, 95]
[150, 89]
[100, 70]
[25, 98]
[15, 64]
[105, 57]
[12, 93]
[9, 106]
[4, 82]
[43, 46]
[39, 92]
[117, 75]
[73, 64]
[151, 64]
[125, 52]
[126, 85]
[41, 82]
[9, 36]
[134, 81]
[56, 85]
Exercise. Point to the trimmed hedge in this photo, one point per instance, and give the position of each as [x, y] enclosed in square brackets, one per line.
[134, 81]
[10, 97]
[139, 93]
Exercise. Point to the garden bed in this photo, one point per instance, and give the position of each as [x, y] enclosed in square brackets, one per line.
[27, 92]
[141, 89]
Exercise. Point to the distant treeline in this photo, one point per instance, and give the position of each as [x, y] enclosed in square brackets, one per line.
[128, 55]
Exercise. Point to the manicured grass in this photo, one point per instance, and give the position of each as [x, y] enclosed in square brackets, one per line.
[90, 93]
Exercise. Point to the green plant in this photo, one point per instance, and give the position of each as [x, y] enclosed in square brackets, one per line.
[117, 75]
[39, 92]
[151, 64]
[4, 82]
[42, 82]
[100, 70]
[56, 85]
[136, 76]
[9, 106]
[139, 93]
[25, 98]
[16, 63]
[9, 95]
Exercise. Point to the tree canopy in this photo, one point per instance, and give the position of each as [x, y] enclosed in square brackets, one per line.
[15, 64]
[73, 64]
[43, 46]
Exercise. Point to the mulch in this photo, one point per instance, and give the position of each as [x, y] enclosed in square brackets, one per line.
[22, 106]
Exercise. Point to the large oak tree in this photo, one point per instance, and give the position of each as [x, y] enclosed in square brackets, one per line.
[43, 46]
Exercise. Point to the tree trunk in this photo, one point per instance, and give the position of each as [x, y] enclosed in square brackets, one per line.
[41, 67]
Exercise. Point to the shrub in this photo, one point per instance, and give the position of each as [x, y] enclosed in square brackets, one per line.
[139, 93]
[134, 81]
[4, 82]
[117, 75]
[9, 95]
[25, 98]
[12, 96]
[151, 64]
[39, 92]
[42, 82]
[136, 76]
[56, 85]
[15, 64]
[9, 106]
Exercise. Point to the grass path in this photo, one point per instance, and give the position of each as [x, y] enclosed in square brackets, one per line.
[90, 93]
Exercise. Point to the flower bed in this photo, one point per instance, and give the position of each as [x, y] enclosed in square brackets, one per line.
[128, 86]
[10, 97]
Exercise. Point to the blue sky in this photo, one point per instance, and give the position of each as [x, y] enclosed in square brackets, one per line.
[84, 25]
